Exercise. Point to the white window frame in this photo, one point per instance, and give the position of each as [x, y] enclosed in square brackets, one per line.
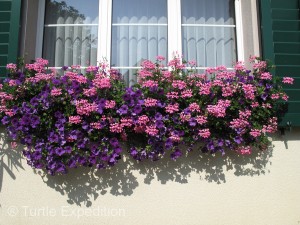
[174, 30]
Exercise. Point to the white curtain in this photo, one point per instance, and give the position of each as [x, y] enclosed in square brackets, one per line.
[208, 32]
[71, 36]
[139, 32]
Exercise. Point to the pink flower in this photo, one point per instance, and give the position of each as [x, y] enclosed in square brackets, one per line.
[245, 114]
[244, 150]
[110, 104]
[192, 63]
[266, 76]
[187, 93]
[255, 132]
[143, 120]
[90, 92]
[174, 137]
[102, 83]
[144, 74]
[11, 66]
[239, 123]
[171, 108]
[275, 96]
[227, 91]
[249, 91]
[96, 125]
[288, 80]
[172, 95]
[204, 88]
[13, 145]
[201, 119]
[160, 58]
[167, 74]
[285, 97]
[219, 110]
[150, 102]
[126, 122]
[12, 83]
[151, 130]
[147, 64]
[185, 117]
[150, 84]
[205, 133]
[194, 107]
[179, 84]
[56, 92]
[75, 119]
[240, 66]
[254, 104]
[83, 107]
[116, 128]
[261, 65]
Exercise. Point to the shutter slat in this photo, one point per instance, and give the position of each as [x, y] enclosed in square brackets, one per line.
[281, 44]
[9, 32]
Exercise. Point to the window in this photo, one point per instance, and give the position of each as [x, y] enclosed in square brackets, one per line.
[126, 32]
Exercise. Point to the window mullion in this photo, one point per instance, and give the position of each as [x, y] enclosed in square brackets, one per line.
[104, 30]
[239, 30]
[40, 29]
[174, 27]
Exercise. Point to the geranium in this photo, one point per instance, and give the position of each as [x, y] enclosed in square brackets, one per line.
[61, 119]
[79, 120]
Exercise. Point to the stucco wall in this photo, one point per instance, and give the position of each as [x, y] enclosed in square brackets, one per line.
[198, 189]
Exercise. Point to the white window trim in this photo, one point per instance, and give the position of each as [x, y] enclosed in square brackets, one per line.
[174, 30]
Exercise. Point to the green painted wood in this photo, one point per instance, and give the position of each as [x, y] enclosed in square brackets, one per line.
[287, 47]
[287, 59]
[5, 6]
[9, 32]
[286, 36]
[286, 25]
[4, 27]
[284, 4]
[286, 14]
[280, 28]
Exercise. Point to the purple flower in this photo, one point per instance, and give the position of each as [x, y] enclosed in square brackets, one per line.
[176, 154]
[123, 110]
[192, 122]
[53, 137]
[158, 116]
[137, 110]
[238, 140]
[5, 120]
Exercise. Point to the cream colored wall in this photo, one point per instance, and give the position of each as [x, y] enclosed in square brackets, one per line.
[198, 189]
[259, 189]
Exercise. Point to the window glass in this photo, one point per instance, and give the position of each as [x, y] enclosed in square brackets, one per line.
[71, 32]
[139, 31]
[208, 32]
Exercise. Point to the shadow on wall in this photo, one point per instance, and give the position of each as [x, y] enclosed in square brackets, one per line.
[10, 159]
[83, 186]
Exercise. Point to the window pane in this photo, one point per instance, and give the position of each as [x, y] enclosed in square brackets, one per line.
[208, 32]
[139, 31]
[70, 45]
[72, 11]
[71, 33]
[140, 11]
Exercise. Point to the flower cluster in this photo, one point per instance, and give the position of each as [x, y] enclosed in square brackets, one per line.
[63, 120]
[79, 120]
[219, 109]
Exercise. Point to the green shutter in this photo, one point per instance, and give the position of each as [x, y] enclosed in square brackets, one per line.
[9, 32]
[280, 28]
